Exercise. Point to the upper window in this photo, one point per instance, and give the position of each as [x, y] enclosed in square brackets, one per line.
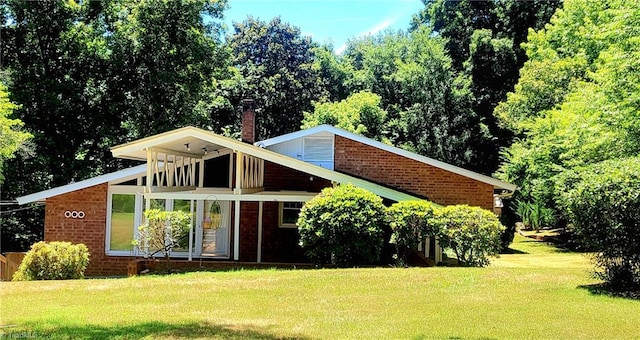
[289, 212]
[318, 151]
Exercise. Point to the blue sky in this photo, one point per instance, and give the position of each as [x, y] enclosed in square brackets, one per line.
[329, 20]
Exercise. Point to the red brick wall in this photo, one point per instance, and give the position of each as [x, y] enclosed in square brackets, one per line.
[278, 244]
[89, 230]
[248, 231]
[278, 177]
[386, 168]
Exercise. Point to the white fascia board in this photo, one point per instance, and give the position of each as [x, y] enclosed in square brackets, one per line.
[389, 148]
[121, 175]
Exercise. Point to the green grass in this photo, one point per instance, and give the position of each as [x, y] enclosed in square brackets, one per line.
[508, 300]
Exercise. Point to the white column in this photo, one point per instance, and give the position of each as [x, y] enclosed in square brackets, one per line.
[201, 174]
[260, 206]
[239, 172]
[191, 234]
[149, 174]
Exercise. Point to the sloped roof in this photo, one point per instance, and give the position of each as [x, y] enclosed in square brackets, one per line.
[197, 140]
[498, 184]
[121, 175]
[177, 140]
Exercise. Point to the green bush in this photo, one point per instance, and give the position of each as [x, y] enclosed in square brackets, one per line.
[472, 233]
[53, 261]
[342, 226]
[603, 204]
[412, 222]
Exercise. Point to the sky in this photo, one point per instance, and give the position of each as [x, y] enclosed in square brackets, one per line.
[333, 21]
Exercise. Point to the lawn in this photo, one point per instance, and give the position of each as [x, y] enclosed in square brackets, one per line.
[518, 297]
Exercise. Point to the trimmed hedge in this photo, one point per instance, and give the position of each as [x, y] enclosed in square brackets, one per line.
[342, 226]
[473, 233]
[412, 222]
[53, 261]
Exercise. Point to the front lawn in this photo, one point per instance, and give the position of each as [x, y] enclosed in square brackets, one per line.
[518, 297]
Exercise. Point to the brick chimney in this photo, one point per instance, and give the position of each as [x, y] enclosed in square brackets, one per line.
[248, 121]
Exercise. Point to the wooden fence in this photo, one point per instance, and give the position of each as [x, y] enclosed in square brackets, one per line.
[9, 264]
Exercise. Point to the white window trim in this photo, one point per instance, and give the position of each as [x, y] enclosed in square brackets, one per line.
[126, 190]
[280, 215]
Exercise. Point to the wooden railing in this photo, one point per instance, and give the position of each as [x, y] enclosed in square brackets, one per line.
[166, 169]
[253, 172]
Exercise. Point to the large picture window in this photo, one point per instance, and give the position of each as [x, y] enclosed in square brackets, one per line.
[123, 215]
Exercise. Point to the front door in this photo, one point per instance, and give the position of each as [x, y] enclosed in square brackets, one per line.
[214, 229]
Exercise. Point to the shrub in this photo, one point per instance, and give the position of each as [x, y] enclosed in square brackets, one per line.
[412, 222]
[472, 233]
[342, 226]
[163, 231]
[53, 261]
[603, 204]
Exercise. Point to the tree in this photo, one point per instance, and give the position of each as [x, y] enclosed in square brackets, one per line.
[11, 136]
[276, 65]
[162, 232]
[577, 100]
[165, 59]
[483, 39]
[429, 107]
[360, 113]
[92, 74]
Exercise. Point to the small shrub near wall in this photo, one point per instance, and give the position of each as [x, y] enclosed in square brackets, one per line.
[412, 222]
[472, 233]
[342, 226]
[53, 261]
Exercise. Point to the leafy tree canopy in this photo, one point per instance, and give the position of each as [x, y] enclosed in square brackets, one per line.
[360, 113]
[276, 67]
[11, 136]
[577, 100]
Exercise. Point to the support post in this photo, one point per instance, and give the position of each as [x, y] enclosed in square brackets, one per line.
[239, 172]
[260, 207]
[191, 234]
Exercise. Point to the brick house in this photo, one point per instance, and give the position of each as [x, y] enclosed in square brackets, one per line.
[245, 196]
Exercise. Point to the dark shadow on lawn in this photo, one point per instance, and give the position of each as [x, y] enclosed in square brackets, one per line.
[153, 330]
[602, 289]
[512, 251]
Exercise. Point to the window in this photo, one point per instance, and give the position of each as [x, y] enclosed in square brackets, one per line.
[289, 212]
[124, 208]
[318, 151]
[122, 222]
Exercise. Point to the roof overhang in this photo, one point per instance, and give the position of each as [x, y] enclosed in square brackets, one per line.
[198, 139]
[120, 176]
